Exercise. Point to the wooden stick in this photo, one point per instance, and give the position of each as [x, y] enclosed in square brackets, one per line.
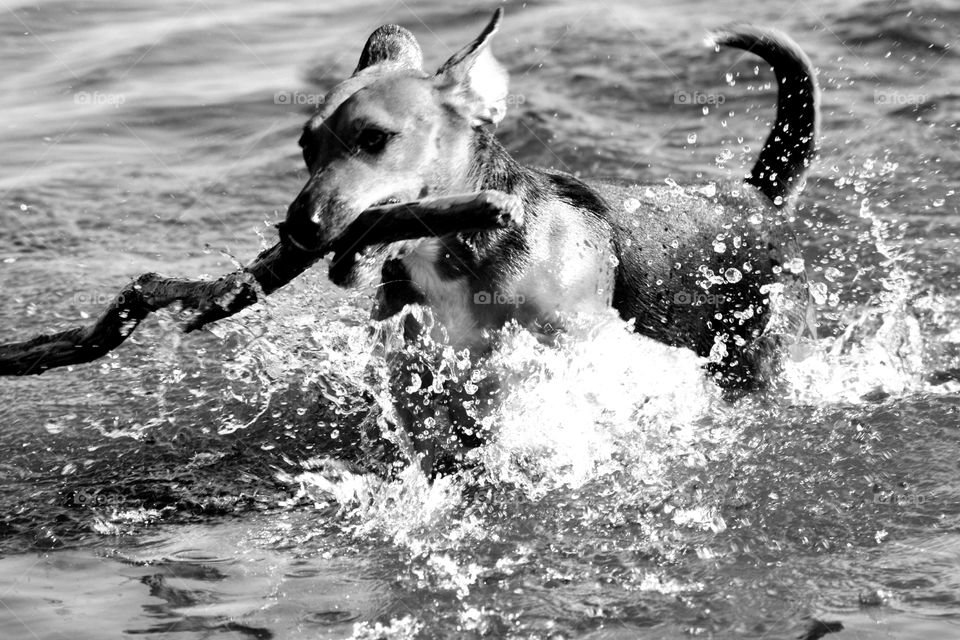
[271, 270]
[407, 221]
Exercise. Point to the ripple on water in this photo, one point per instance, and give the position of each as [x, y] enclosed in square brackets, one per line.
[197, 556]
[331, 618]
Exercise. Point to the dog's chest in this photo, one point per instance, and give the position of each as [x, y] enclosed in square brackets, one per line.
[448, 296]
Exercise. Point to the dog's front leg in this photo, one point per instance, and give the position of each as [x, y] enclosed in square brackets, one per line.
[435, 396]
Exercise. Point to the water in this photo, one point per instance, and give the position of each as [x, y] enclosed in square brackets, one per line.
[239, 483]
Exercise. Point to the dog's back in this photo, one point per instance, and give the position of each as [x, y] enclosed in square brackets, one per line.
[701, 268]
[704, 268]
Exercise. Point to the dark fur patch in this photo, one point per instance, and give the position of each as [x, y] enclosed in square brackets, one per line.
[577, 194]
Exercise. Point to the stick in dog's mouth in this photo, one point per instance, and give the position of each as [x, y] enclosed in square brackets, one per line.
[385, 224]
[391, 220]
[217, 299]
[308, 236]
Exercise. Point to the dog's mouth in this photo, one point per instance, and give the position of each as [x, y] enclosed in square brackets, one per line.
[308, 236]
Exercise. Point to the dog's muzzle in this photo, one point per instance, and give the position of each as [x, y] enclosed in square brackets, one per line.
[305, 237]
[301, 229]
[302, 232]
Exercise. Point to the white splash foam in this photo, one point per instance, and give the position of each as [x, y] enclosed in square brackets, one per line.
[572, 411]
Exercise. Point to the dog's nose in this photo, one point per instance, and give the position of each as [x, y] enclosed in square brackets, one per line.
[302, 226]
[304, 207]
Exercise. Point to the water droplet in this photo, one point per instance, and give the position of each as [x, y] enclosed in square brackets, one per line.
[733, 275]
[415, 383]
[795, 265]
[818, 291]
[832, 274]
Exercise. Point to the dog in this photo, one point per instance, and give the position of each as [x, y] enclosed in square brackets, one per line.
[701, 268]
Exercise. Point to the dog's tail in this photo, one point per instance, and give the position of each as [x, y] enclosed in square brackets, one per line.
[793, 142]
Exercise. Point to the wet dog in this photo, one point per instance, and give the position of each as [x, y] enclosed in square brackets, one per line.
[702, 268]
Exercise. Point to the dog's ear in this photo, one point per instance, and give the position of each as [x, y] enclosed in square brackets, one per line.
[391, 43]
[475, 83]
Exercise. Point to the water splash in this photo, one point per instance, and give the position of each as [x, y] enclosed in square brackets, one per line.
[880, 351]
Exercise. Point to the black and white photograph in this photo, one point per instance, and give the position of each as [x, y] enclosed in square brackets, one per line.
[468, 320]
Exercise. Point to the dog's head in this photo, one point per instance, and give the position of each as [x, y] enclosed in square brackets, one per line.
[392, 132]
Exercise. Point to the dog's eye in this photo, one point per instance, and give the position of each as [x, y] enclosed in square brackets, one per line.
[372, 140]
